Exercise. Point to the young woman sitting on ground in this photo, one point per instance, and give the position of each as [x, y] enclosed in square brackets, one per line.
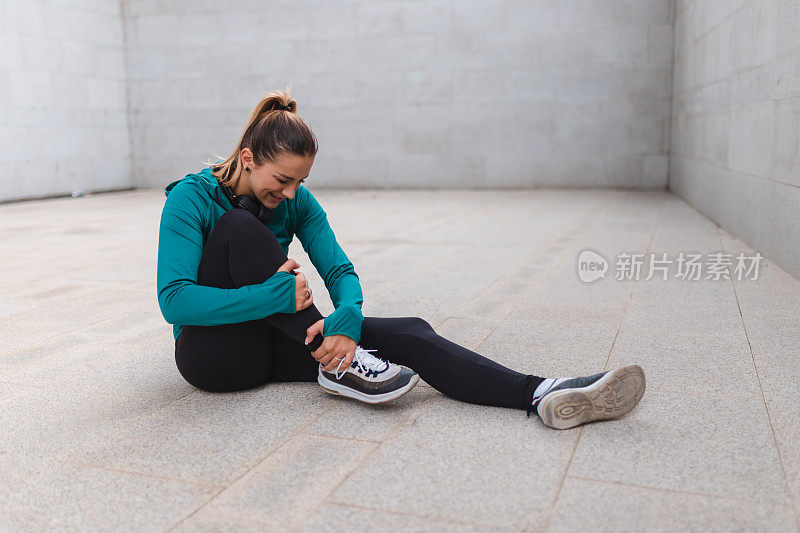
[243, 312]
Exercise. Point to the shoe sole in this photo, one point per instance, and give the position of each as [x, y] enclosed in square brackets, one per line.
[611, 396]
[332, 387]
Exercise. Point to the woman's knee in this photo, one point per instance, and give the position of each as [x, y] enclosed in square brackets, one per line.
[238, 221]
[243, 228]
[415, 325]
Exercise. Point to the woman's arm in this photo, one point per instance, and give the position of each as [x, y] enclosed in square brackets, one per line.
[334, 267]
[180, 247]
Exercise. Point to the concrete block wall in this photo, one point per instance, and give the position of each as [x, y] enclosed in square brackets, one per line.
[411, 93]
[736, 119]
[63, 109]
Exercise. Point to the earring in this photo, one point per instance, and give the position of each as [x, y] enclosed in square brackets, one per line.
[247, 169]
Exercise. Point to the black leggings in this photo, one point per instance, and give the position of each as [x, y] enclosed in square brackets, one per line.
[230, 357]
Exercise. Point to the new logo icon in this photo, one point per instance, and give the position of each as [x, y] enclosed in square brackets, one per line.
[591, 266]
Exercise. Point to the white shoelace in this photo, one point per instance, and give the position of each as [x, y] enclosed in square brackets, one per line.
[365, 360]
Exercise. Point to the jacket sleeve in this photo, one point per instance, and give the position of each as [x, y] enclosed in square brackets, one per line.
[334, 267]
[181, 299]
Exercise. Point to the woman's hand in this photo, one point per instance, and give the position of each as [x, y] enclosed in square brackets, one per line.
[333, 350]
[302, 292]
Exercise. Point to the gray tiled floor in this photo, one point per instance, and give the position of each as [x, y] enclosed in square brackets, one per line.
[99, 430]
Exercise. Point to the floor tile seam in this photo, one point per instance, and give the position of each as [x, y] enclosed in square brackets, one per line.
[722, 343]
[689, 301]
[618, 307]
[568, 248]
[556, 236]
[339, 437]
[237, 519]
[93, 292]
[529, 286]
[540, 340]
[750, 314]
[48, 302]
[482, 338]
[735, 352]
[394, 431]
[447, 219]
[477, 344]
[38, 340]
[151, 475]
[720, 396]
[630, 297]
[698, 212]
[146, 412]
[427, 395]
[788, 487]
[77, 358]
[565, 232]
[39, 385]
[277, 446]
[471, 319]
[572, 242]
[51, 384]
[457, 215]
[552, 505]
[654, 388]
[435, 518]
[430, 267]
[72, 330]
[547, 273]
[672, 334]
[643, 335]
[787, 503]
[301, 516]
[149, 411]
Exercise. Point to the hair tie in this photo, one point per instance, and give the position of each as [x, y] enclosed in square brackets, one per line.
[284, 107]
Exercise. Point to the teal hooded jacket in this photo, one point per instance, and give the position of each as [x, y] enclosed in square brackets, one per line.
[190, 212]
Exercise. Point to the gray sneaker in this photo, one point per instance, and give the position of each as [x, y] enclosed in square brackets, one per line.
[602, 396]
[369, 379]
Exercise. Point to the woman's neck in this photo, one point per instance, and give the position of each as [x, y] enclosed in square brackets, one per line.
[241, 189]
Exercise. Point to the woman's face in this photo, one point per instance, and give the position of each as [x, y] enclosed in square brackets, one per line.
[274, 181]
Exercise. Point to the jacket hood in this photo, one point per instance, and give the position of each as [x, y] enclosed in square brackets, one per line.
[205, 178]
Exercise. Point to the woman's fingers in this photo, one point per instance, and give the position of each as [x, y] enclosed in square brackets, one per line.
[348, 359]
[345, 359]
[313, 330]
[302, 292]
[339, 354]
[289, 265]
[341, 362]
[323, 355]
[335, 363]
[332, 356]
[307, 297]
